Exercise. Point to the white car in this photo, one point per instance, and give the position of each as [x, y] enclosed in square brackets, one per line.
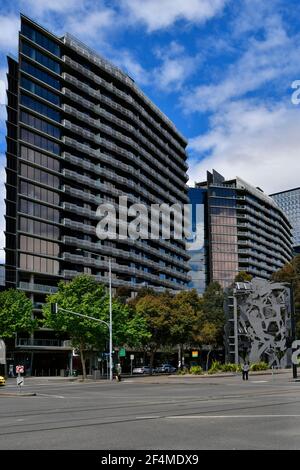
[141, 370]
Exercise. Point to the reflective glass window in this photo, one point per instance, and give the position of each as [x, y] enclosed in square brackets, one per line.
[40, 107]
[40, 39]
[40, 91]
[40, 74]
[40, 57]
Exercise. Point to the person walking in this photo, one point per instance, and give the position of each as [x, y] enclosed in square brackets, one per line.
[245, 370]
[118, 372]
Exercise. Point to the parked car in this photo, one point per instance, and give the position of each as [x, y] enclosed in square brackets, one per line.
[166, 368]
[141, 370]
[2, 380]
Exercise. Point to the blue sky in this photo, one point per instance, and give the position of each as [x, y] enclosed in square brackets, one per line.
[221, 70]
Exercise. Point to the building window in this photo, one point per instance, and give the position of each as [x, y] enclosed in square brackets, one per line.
[38, 210]
[40, 107]
[36, 192]
[38, 264]
[43, 76]
[40, 57]
[39, 141]
[40, 91]
[40, 124]
[39, 158]
[38, 246]
[36, 227]
[40, 39]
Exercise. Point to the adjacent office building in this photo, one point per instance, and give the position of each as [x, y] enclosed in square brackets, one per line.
[79, 133]
[244, 230]
[289, 202]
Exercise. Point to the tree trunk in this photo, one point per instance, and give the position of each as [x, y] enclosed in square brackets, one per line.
[152, 354]
[207, 359]
[82, 362]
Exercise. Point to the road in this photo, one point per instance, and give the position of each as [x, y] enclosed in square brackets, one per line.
[153, 413]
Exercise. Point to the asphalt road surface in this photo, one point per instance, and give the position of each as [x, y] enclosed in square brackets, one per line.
[153, 413]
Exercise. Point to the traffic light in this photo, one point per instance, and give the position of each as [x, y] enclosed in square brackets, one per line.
[54, 309]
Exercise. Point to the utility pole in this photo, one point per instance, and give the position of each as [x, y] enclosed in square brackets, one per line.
[110, 324]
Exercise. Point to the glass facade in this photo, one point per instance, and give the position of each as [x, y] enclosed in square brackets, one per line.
[39, 107]
[40, 57]
[196, 244]
[223, 234]
[289, 202]
[244, 231]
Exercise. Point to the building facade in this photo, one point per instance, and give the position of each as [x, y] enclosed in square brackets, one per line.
[289, 202]
[81, 133]
[245, 230]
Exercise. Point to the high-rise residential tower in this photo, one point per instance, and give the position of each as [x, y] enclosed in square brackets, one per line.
[289, 202]
[79, 133]
[244, 230]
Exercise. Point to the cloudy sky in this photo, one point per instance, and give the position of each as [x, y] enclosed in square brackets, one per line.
[220, 69]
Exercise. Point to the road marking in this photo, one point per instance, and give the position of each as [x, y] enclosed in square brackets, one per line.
[258, 381]
[147, 417]
[49, 395]
[230, 416]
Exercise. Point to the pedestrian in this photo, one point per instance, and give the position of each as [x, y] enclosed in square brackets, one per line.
[118, 373]
[245, 370]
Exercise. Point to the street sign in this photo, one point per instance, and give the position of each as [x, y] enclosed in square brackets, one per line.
[195, 353]
[20, 369]
[122, 352]
[131, 357]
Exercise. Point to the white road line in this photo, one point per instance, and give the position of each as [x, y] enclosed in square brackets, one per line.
[230, 416]
[49, 395]
[258, 381]
[146, 417]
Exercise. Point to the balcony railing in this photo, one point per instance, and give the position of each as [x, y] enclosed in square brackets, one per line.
[41, 343]
[37, 287]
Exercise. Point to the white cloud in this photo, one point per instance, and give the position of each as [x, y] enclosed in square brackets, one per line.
[129, 64]
[160, 14]
[272, 59]
[175, 68]
[41, 7]
[9, 27]
[91, 25]
[259, 143]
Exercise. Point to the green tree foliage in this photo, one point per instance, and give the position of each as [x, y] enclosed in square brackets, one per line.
[15, 313]
[156, 310]
[290, 273]
[84, 295]
[243, 276]
[213, 313]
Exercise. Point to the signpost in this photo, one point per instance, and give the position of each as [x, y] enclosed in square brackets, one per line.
[20, 379]
[131, 359]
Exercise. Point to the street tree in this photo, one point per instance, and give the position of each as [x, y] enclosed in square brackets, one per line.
[156, 310]
[185, 319]
[290, 273]
[15, 313]
[85, 296]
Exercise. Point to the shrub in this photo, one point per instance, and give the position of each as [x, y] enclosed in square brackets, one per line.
[215, 367]
[231, 367]
[196, 370]
[182, 371]
[259, 366]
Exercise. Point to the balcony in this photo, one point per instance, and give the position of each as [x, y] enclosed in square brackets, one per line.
[152, 160]
[39, 288]
[97, 95]
[43, 344]
[82, 49]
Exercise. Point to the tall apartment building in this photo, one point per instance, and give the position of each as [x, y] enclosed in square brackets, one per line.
[245, 230]
[79, 133]
[289, 202]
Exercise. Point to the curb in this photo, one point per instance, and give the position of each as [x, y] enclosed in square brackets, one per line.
[12, 394]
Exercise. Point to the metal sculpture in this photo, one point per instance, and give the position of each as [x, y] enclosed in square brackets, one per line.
[265, 321]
